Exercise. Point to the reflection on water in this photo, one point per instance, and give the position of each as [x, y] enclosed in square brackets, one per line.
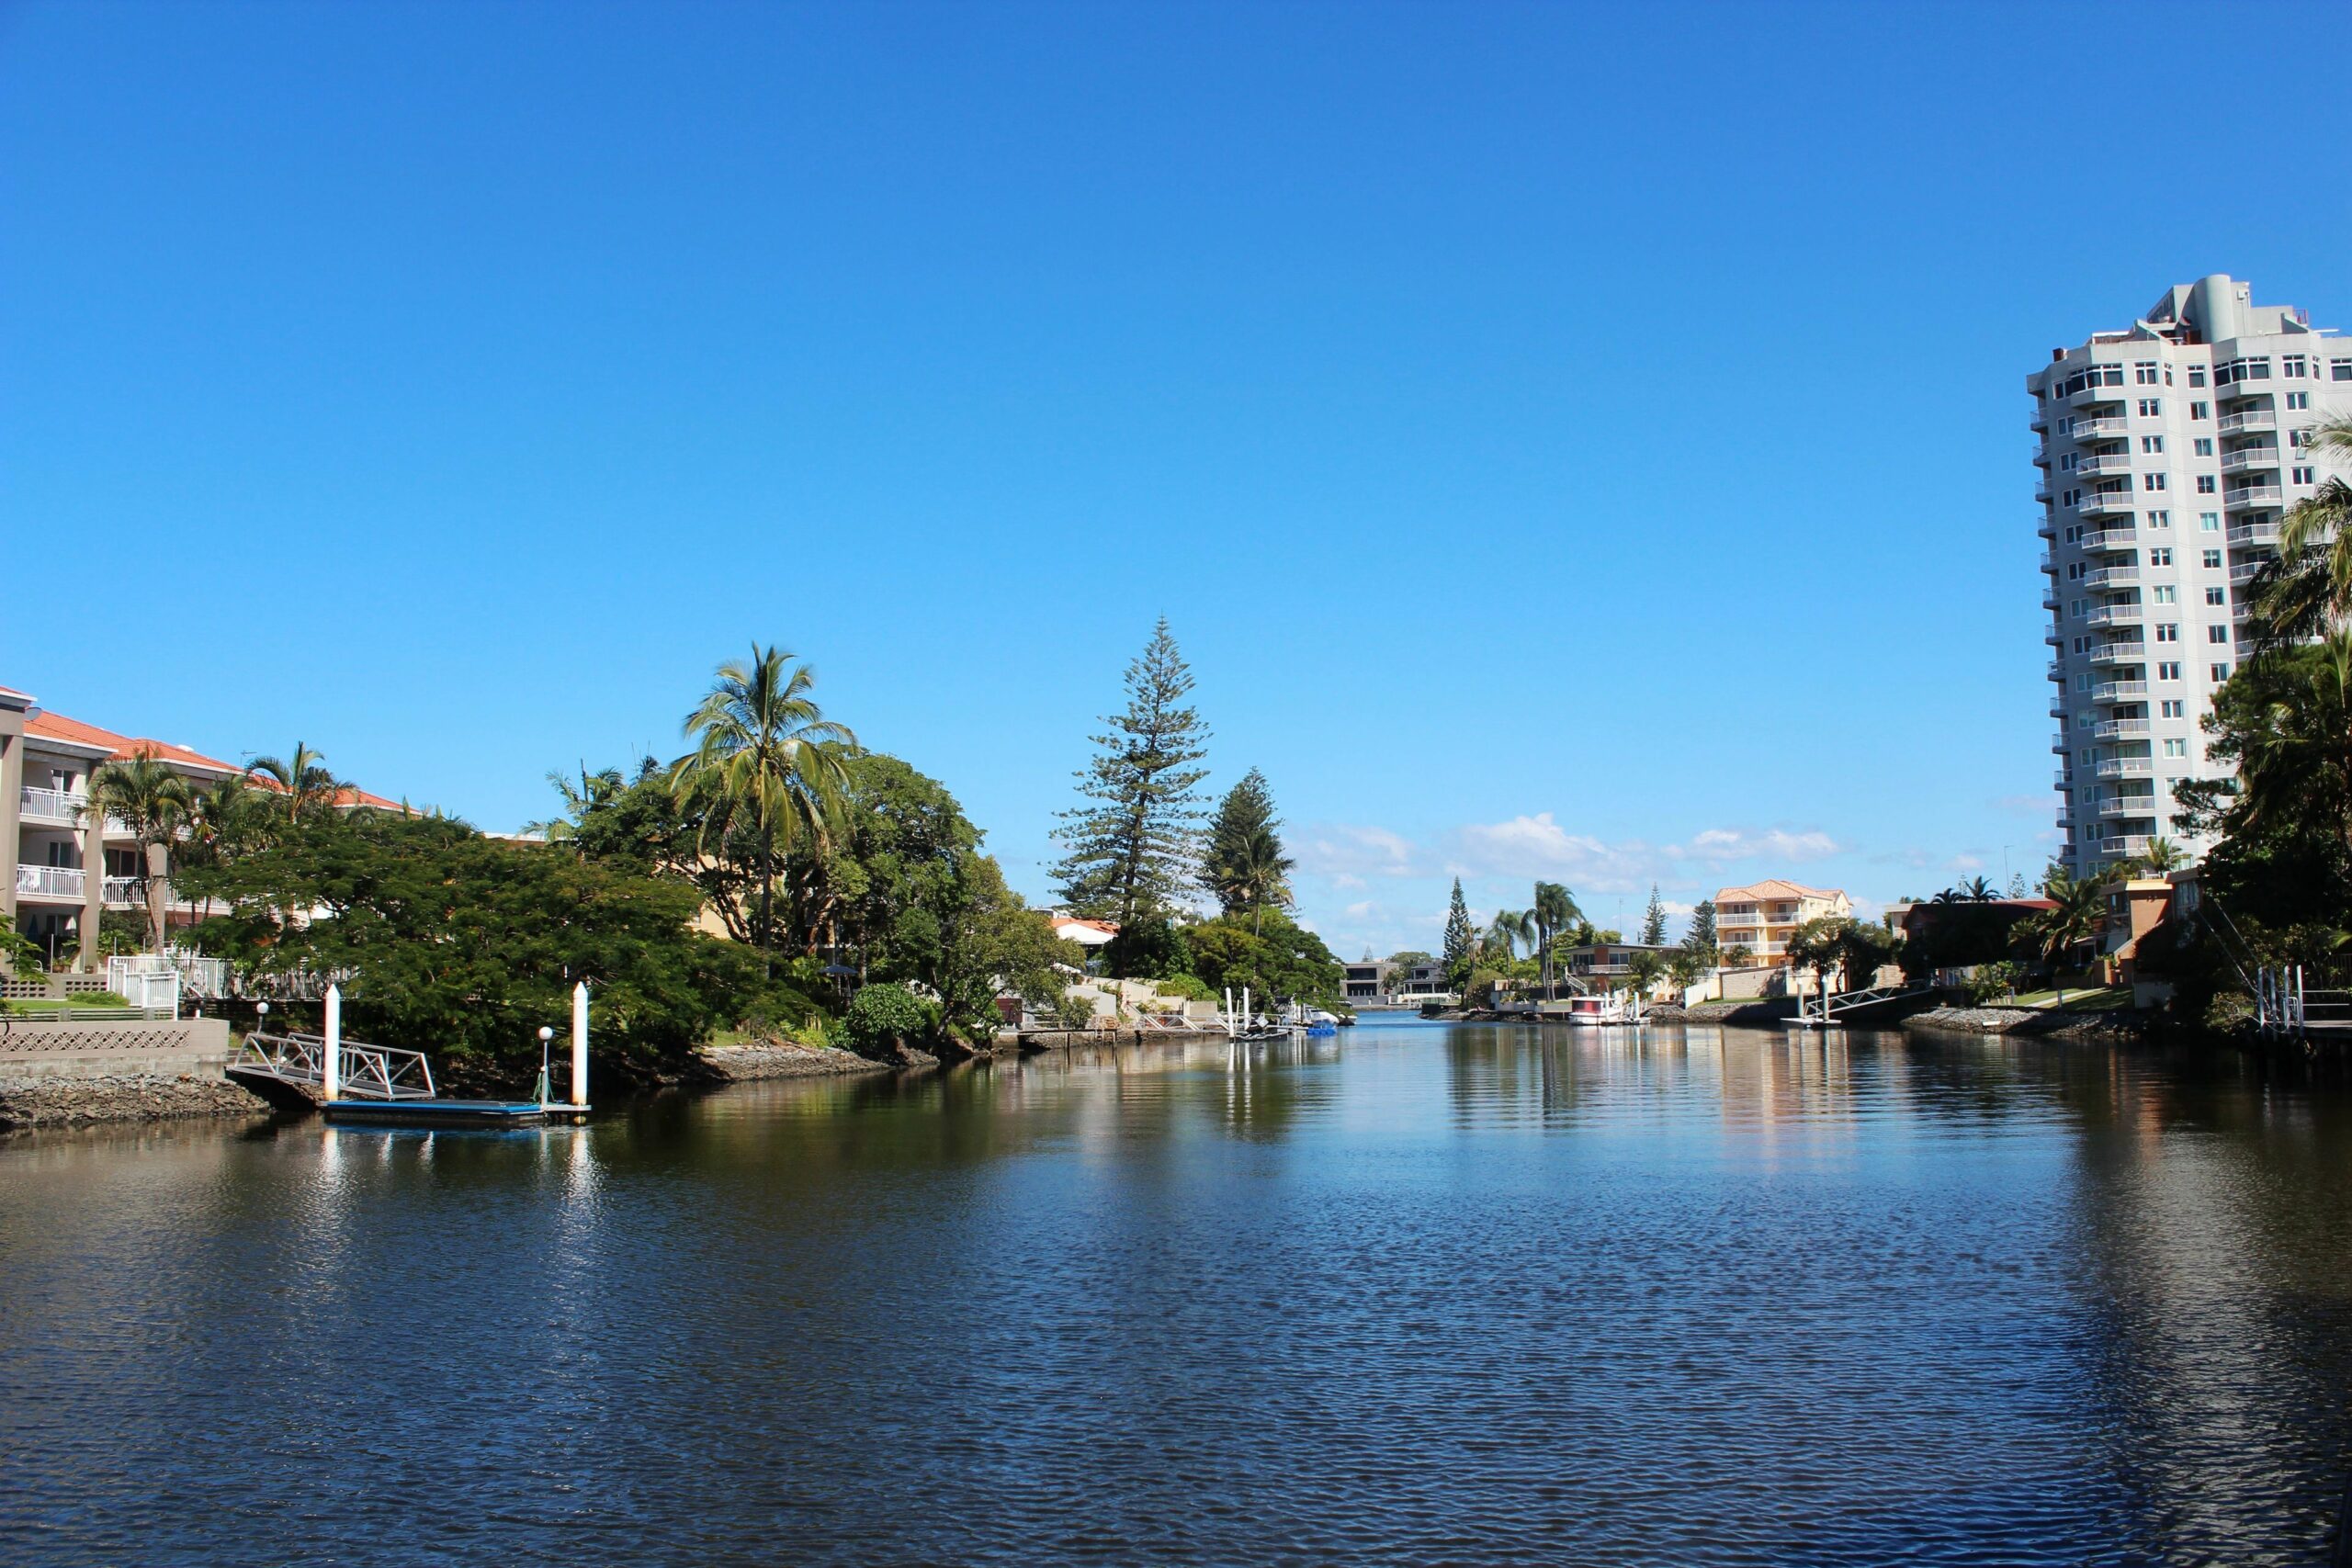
[1423, 1294]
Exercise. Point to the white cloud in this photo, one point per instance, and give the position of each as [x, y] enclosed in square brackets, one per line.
[1347, 852]
[1537, 845]
[1716, 845]
[1362, 911]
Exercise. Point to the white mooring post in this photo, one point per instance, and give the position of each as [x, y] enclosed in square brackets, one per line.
[580, 1044]
[330, 1070]
[1228, 1013]
[1247, 1021]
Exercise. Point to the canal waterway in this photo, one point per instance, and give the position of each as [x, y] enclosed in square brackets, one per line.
[1425, 1295]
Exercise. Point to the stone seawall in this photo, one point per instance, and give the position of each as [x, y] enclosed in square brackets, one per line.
[744, 1064]
[61, 1075]
[2027, 1021]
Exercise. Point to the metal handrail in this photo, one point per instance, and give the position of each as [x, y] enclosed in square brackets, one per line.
[367, 1072]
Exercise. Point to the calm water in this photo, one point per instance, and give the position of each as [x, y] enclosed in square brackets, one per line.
[1429, 1295]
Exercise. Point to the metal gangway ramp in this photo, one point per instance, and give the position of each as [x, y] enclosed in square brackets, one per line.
[1818, 1013]
[294, 1066]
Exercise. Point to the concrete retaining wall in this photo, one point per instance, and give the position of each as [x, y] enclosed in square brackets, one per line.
[33, 1050]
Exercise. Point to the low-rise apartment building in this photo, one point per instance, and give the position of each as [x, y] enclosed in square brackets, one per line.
[70, 867]
[1761, 915]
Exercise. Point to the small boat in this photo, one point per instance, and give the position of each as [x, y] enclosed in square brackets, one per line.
[1614, 1008]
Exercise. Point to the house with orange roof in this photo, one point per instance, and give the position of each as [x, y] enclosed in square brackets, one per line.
[71, 868]
[1761, 915]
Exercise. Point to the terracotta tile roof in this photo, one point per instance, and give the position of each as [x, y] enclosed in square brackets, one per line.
[1777, 888]
[74, 732]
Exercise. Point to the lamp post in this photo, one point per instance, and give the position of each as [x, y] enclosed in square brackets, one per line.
[546, 1034]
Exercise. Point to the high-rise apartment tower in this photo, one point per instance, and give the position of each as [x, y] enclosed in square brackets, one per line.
[2168, 452]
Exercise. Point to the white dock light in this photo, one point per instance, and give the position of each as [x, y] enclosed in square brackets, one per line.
[546, 1034]
[330, 1071]
[580, 1045]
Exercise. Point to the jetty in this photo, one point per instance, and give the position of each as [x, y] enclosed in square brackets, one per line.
[353, 1082]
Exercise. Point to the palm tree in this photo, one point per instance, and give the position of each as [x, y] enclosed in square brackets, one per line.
[766, 761]
[2307, 590]
[1509, 928]
[152, 804]
[1554, 909]
[2163, 855]
[303, 778]
[1255, 872]
[596, 789]
[223, 822]
[2082, 909]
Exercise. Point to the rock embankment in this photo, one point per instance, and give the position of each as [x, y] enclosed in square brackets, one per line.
[782, 1059]
[2025, 1020]
[121, 1096]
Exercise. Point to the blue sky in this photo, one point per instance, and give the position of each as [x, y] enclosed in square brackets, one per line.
[1584, 443]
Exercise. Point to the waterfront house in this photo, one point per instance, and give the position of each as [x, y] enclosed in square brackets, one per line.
[1366, 982]
[1607, 965]
[1763, 916]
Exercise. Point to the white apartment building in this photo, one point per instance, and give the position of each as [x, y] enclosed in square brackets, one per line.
[2168, 451]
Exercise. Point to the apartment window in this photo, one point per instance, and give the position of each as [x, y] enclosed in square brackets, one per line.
[2152, 407]
[2217, 634]
[2159, 519]
[2168, 632]
[2163, 594]
[2167, 374]
[2082, 645]
[2291, 367]
[2168, 672]
[2074, 533]
[2210, 521]
[2144, 373]
[2217, 596]
[2339, 369]
[2299, 440]
[2303, 476]
[2175, 747]
[2197, 378]
[2199, 410]
[2151, 444]
[2174, 708]
[2204, 445]
[2082, 607]
[2220, 672]
[2159, 555]
[2067, 463]
[2207, 485]
[2298, 400]
[2083, 721]
[2151, 481]
[2212, 560]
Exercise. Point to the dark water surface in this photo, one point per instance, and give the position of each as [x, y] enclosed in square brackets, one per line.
[1427, 1295]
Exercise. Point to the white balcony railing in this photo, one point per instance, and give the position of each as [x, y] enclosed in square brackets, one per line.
[2107, 501]
[2251, 419]
[2112, 539]
[2087, 430]
[2118, 652]
[48, 804]
[2107, 575]
[2127, 767]
[2129, 805]
[2119, 691]
[2254, 495]
[2252, 458]
[2254, 533]
[2243, 571]
[2115, 615]
[50, 881]
[2106, 463]
[2116, 729]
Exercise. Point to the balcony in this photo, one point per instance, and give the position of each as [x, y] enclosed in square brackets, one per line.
[2254, 495]
[2129, 805]
[50, 882]
[2063, 780]
[2109, 575]
[2127, 767]
[2041, 454]
[50, 806]
[2049, 566]
[2058, 707]
[2049, 602]
[2116, 614]
[2091, 397]
[2126, 844]
[2124, 538]
[2053, 637]
[2089, 430]
[2046, 527]
[2251, 422]
[2110, 463]
[2107, 501]
[2249, 458]
[2119, 690]
[2042, 493]
[2243, 572]
[2116, 728]
[2254, 533]
[2120, 653]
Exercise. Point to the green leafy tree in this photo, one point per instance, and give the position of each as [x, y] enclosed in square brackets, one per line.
[768, 763]
[1131, 847]
[1645, 970]
[1701, 937]
[1278, 959]
[152, 803]
[1461, 937]
[463, 945]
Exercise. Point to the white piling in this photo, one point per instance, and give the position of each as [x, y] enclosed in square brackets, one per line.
[330, 1071]
[1228, 1013]
[1247, 1021]
[580, 1044]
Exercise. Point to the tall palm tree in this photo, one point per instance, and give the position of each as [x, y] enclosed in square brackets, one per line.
[152, 803]
[765, 760]
[2307, 588]
[1554, 909]
[1507, 930]
[223, 822]
[302, 776]
[594, 790]
[1255, 872]
[2076, 922]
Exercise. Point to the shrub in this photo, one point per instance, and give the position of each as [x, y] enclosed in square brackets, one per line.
[1481, 993]
[1191, 988]
[883, 1016]
[1073, 1012]
[1991, 982]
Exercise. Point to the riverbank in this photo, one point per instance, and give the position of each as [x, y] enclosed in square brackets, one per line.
[2052, 1022]
[59, 1101]
[782, 1059]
